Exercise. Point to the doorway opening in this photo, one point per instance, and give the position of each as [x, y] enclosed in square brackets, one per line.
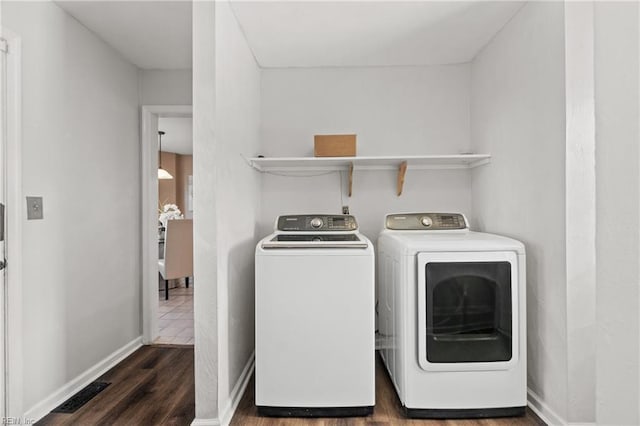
[167, 211]
[175, 241]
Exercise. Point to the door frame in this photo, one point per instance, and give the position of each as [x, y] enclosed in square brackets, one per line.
[11, 339]
[149, 215]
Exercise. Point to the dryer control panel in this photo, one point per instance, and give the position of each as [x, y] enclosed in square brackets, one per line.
[316, 222]
[426, 221]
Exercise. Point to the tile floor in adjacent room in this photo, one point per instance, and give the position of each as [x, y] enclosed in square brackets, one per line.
[175, 317]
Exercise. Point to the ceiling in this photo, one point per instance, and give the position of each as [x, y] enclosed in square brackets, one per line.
[179, 134]
[369, 33]
[156, 34]
[149, 34]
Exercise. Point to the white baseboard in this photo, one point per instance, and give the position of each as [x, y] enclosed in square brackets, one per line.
[205, 422]
[543, 411]
[43, 408]
[238, 391]
[234, 399]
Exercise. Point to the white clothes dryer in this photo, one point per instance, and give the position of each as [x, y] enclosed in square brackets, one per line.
[452, 308]
[315, 319]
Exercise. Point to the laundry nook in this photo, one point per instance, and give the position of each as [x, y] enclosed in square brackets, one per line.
[320, 212]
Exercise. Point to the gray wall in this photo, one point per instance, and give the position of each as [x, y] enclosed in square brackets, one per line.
[80, 151]
[518, 115]
[226, 126]
[238, 197]
[617, 187]
[165, 87]
[580, 213]
[205, 225]
[584, 298]
[393, 111]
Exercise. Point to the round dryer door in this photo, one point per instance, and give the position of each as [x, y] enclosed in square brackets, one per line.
[468, 312]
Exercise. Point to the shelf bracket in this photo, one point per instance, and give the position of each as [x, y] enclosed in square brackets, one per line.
[402, 170]
[350, 178]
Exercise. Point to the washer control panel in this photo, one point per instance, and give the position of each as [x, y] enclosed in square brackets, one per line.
[316, 222]
[426, 221]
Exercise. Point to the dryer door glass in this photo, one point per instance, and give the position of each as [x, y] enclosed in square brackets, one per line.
[468, 316]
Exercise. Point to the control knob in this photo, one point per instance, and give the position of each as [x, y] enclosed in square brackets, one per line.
[426, 221]
[316, 222]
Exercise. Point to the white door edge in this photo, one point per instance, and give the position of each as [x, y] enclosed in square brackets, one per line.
[149, 215]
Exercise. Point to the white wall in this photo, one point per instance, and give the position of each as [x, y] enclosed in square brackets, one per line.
[227, 203]
[165, 87]
[617, 92]
[80, 118]
[205, 188]
[238, 202]
[518, 116]
[580, 212]
[394, 111]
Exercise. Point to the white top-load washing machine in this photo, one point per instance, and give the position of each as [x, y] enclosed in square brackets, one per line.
[315, 320]
[452, 311]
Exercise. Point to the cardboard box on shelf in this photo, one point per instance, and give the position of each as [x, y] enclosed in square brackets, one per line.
[334, 145]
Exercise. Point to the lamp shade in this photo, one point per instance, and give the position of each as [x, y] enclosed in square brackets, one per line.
[163, 174]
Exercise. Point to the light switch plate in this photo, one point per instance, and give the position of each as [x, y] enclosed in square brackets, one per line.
[34, 208]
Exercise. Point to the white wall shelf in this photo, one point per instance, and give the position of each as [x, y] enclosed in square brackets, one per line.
[416, 162]
[297, 165]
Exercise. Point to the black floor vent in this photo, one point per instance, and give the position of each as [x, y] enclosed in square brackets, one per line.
[81, 398]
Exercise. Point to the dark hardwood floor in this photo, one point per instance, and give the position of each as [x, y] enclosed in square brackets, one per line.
[386, 412]
[153, 386]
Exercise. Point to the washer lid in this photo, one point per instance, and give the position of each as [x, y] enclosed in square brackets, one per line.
[314, 241]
